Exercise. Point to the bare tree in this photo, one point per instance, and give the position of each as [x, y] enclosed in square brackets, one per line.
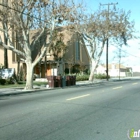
[4, 19]
[98, 27]
[23, 17]
[119, 54]
[58, 46]
[82, 66]
[58, 49]
[70, 63]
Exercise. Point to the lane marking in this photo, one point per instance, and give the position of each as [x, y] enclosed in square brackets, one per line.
[117, 87]
[78, 97]
[134, 83]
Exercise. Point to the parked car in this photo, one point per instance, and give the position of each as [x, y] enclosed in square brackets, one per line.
[7, 73]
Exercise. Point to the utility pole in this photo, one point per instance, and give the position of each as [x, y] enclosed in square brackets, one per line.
[107, 41]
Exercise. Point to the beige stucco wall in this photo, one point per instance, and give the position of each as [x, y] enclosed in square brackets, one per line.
[84, 56]
[1, 49]
[11, 64]
[69, 39]
[1, 56]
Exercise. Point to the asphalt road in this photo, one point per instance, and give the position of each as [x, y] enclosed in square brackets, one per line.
[105, 111]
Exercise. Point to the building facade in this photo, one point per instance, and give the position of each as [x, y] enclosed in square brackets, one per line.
[49, 65]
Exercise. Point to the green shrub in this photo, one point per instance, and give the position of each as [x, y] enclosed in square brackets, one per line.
[21, 82]
[21, 75]
[86, 77]
[82, 77]
[11, 80]
[66, 71]
[2, 81]
[101, 76]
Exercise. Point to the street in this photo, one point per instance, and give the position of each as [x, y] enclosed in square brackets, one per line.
[103, 111]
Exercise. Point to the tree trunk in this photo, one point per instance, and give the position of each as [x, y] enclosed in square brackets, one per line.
[40, 70]
[18, 70]
[29, 76]
[93, 68]
[57, 65]
[5, 52]
[5, 58]
[69, 70]
[61, 67]
[45, 65]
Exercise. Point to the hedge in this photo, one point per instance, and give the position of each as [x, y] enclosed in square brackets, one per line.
[101, 76]
[2, 81]
[86, 77]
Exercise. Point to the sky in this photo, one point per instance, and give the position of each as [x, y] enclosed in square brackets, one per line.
[131, 53]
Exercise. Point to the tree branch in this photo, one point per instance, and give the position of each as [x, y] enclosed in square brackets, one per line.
[37, 38]
[41, 55]
[11, 48]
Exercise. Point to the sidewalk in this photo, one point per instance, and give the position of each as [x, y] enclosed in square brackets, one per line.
[16, 91]
[20, 90]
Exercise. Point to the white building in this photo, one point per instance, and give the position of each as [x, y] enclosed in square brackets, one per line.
[115, 70]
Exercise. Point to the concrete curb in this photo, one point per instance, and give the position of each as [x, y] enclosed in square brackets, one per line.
[82, 83]
[18, 91]
[24, 92]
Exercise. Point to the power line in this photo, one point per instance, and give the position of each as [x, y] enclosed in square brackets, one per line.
[130, 54]
[127, 52]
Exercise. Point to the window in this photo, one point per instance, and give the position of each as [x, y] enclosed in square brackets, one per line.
[77, 51]
[15, 57]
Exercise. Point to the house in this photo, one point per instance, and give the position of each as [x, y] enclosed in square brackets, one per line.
[58, 62]
[136, 71]
[55, 62]
[101, 69]
[115, 70]
[13, 59]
